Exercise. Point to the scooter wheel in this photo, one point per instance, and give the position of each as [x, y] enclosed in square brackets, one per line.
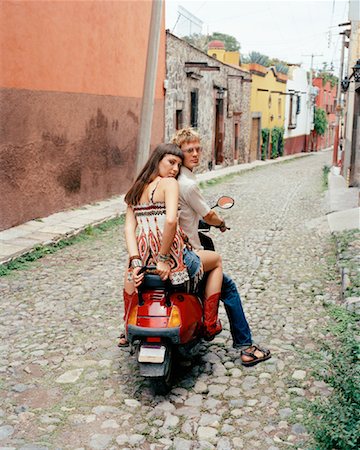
[162, 385]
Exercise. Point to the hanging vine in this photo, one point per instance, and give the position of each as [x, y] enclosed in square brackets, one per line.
[265, 134]
[277, 142]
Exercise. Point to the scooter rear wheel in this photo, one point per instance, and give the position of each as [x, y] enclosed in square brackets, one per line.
[162, 385]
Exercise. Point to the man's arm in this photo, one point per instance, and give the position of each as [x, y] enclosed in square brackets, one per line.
[195, 199]
[214, 219]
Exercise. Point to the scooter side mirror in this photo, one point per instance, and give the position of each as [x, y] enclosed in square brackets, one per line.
[225, 202]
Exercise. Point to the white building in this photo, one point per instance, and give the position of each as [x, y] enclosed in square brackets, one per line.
[299, 111]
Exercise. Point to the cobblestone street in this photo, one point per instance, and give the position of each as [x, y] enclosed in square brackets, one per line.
[66, 385]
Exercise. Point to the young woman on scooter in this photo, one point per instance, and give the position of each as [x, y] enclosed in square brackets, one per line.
[153, 210]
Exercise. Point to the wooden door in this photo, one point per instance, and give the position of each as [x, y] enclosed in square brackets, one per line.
[219, 134]
[255, 139]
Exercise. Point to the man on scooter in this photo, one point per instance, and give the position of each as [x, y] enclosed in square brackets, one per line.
[193, 207]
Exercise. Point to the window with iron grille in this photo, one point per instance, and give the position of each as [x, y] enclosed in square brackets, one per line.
[194, 100]
[179, 119]
[292, 113]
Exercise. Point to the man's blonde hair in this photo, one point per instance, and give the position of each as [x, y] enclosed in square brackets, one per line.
[184, 136]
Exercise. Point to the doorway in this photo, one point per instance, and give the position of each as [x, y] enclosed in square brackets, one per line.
[219, 130]
[236, 141]
[255, 139]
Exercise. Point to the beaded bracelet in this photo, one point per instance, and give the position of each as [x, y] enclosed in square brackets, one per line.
[134, 257]
[163, 258]
[135, 261]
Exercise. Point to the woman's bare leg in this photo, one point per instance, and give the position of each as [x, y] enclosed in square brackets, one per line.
[212, 263]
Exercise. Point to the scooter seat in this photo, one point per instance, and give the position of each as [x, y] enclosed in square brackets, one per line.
[152, 281]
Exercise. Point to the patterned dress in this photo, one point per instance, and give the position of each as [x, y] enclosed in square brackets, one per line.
[150, 219]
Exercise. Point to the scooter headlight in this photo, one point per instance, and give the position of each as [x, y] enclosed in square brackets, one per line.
[175, 318]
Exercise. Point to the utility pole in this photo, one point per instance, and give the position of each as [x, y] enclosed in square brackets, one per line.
[338, 96]
[338, 103]
[147, 105]
[311, 66]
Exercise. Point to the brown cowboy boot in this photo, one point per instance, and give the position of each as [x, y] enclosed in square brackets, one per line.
[211, 322]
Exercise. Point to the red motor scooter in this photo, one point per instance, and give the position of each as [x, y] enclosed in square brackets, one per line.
[161, 321]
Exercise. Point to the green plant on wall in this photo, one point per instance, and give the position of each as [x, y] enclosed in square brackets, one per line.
[277, 142]
[265, 133]
[258, 58]
[281, 142]
[201, 41]
[327, 76]
[282, 68]
[320, 121]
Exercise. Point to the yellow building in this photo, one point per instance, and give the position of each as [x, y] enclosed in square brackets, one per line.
[268, 88]
[268, 96]
[216, 49]
[267, 103]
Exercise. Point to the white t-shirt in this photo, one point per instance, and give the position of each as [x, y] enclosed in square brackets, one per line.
[193, 206]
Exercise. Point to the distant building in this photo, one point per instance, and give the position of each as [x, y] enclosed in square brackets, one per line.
[299, 111]
[268, 89]
[210, 96]
[216, 49]
[326, 99]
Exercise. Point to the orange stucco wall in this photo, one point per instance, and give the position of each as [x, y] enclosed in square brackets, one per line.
[326, 100]
[96, 47]
[71, 84]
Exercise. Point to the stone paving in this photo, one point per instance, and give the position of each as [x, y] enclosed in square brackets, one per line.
[65, 384]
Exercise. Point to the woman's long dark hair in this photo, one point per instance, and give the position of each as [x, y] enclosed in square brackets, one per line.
[150, 171]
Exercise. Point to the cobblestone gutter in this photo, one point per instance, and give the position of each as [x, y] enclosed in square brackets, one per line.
[348, 261]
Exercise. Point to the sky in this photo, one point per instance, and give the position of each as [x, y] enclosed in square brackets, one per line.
[289, 30]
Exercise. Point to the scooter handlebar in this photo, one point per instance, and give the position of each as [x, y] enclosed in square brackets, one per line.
[146, 269]
[203, 226]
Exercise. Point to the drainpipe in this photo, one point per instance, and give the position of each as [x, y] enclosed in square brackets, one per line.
[147, 105]
[338, 106]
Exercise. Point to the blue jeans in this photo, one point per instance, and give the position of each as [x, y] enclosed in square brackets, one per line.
[192, 262]
[240, 330]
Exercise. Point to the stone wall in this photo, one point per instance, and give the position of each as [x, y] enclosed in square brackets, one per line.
[189, 68]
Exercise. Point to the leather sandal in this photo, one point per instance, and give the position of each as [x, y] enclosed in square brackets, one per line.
[250, 352]
[122, 342]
